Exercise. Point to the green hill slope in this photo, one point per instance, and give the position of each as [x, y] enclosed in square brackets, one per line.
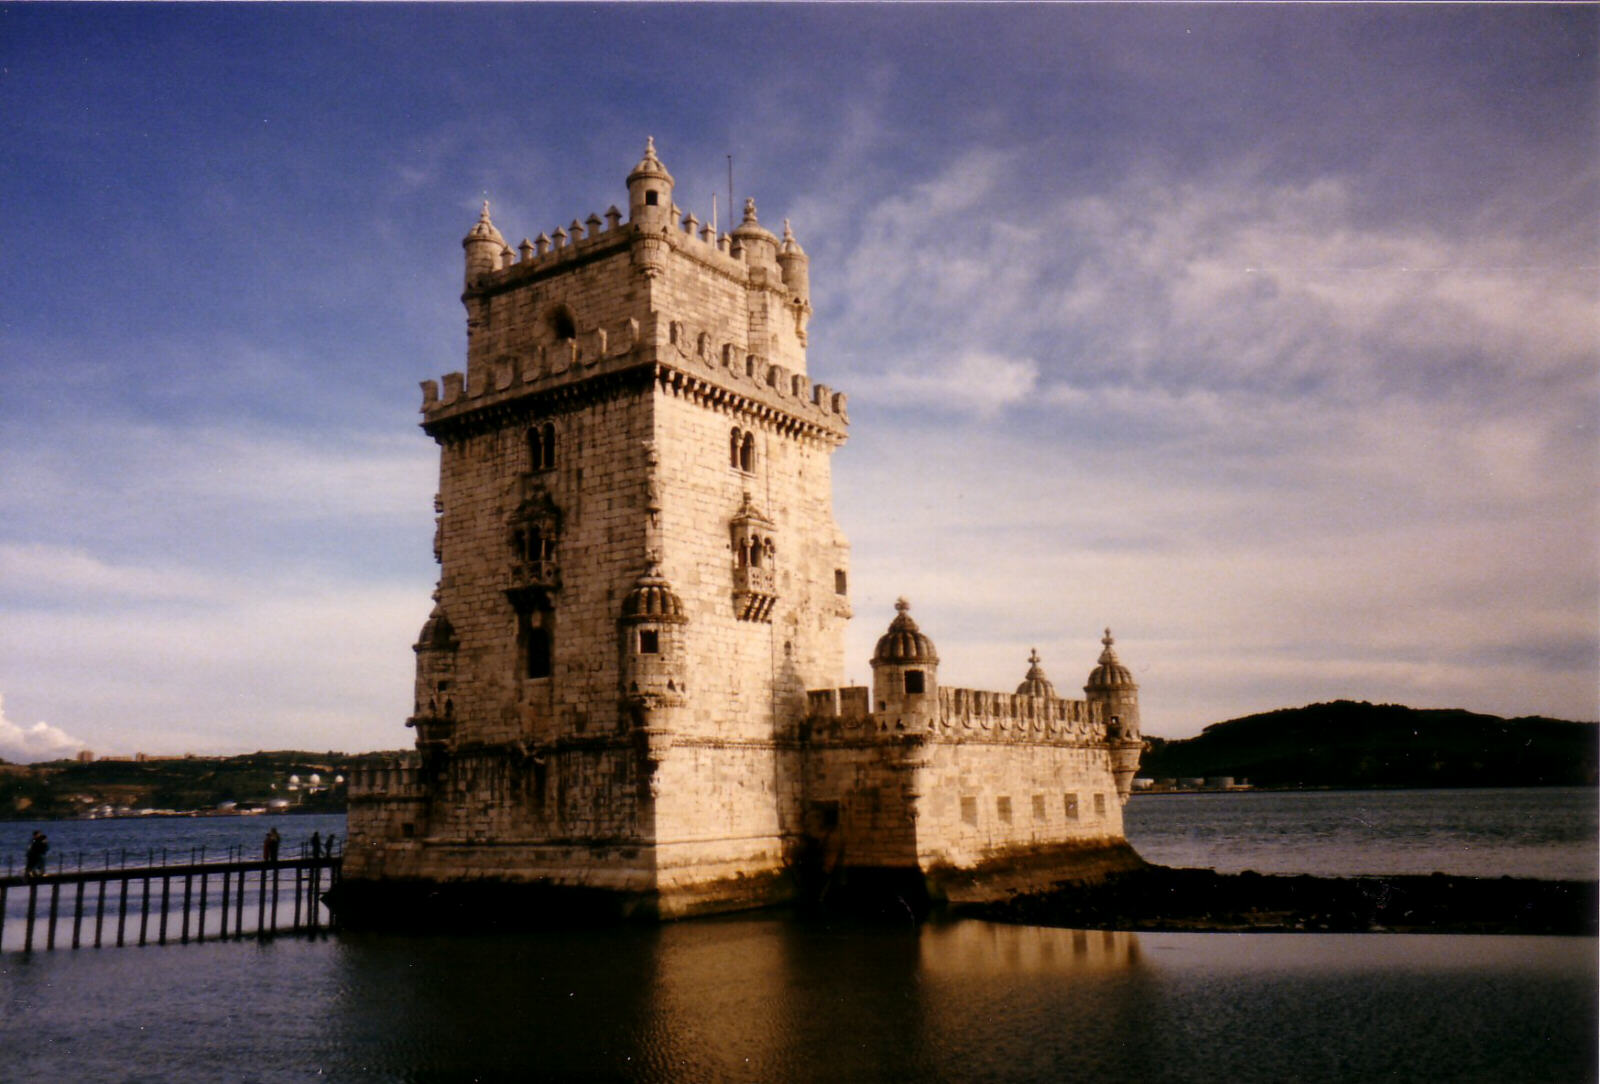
[1346, 743]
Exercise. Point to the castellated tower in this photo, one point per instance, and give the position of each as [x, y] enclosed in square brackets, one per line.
[628, 690]
[640, 573]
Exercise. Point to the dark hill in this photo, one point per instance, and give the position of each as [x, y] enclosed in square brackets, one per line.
[1351, 744]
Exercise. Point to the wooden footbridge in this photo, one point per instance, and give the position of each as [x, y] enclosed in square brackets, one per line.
[158, 904]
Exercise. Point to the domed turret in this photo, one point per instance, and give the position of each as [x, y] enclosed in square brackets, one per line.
[652, 599]
[905, 674]
[1110, 674]
[904, 644]
[650, 191]
[486, 249]
[1113, 689]
[759, 246]
[1036, 684]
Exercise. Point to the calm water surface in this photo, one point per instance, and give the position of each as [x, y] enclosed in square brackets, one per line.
[1546, 832]
[763, 998]
[768, 999]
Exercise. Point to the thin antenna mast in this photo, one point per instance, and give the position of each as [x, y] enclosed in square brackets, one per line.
[730, 188]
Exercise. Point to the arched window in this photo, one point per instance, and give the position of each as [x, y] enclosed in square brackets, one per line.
[560, 323]
[744, 552]
[537, 628]
[747, 452]
[755, 552]
[733, 449]
[542, 448]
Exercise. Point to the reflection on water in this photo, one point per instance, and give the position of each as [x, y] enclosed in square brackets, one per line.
[769, 999]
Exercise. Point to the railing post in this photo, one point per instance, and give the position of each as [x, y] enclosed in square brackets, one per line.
[205, 879]
[261, 902]
[122, 911]
[77, 907]
[222, 921]
[188, 886]
[33, 901]
[166, 889]
[50, 934]
[100, 908]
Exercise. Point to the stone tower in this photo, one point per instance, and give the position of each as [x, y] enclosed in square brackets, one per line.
[627, 693]
[640, 573]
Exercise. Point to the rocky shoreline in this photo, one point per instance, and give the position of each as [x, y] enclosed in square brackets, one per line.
[1166, 898]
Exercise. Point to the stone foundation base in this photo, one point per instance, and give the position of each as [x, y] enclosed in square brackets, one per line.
[484, 904]
[1024, 871]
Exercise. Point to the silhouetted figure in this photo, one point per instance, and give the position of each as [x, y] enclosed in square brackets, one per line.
[269, 846]
[328, 848]
[38, 846]
[316, 844]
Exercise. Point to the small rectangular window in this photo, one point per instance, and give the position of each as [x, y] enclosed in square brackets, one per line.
[1069, 806]
[649, 642]
[1099, 805]
[840, 585]
[1038, 807]
[1002, 808]
[914, 681]
[969, 810]
[407, 829]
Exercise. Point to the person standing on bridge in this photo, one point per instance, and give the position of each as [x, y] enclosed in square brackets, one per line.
[316, 844]
[38, 846]
[269, 847]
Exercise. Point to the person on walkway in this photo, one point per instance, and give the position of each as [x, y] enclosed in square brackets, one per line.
[269, 847]
[38, 846]
[316, 844]
[328, 847]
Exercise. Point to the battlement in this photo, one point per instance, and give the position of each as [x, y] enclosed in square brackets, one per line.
[962, 714]
[727, 370]
[564, 246]
[388, 778]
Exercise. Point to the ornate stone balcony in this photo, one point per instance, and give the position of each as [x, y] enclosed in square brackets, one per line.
[522, 575]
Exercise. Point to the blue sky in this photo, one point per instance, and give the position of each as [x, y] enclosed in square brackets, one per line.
[1265, 335]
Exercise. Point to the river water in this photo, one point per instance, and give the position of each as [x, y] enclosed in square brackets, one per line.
[766, 998]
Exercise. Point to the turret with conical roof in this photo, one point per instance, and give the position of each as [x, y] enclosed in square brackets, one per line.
[650, 191]
[486, 249]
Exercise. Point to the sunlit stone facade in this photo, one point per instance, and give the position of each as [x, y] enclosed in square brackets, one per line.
[630, 681]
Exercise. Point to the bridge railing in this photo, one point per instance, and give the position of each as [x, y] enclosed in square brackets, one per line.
[177, 902]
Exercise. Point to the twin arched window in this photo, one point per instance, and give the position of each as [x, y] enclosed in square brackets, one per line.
[542, 447]
[742, 450]
[755, 551]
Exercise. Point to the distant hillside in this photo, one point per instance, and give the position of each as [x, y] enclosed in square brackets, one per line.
[1351, 744]
[72, 788]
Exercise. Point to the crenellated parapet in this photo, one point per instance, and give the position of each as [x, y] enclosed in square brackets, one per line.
[681, 358]
[390, 778]
[961, 715]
